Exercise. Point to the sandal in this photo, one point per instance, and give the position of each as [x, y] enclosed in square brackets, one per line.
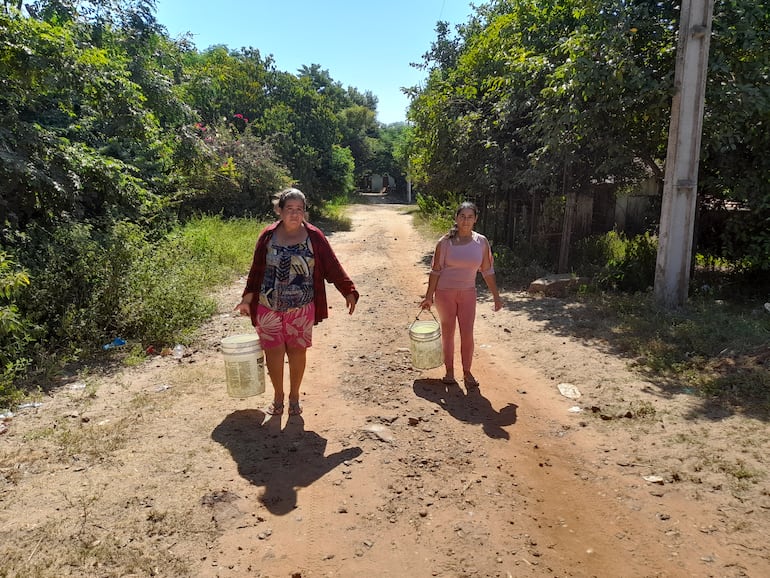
[295, 408]
[471, 382]
[448, 380]
[274, 409]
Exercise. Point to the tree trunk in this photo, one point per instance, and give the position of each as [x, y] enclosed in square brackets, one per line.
[569, 219]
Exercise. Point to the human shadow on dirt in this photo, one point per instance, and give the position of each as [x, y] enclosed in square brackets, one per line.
[469, 407]
[280, 460]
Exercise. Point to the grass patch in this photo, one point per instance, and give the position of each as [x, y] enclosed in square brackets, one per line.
[224, 246]
[166, 295]
[97, 441]
[644, 410]
[58, 546]
[710, 348]
[740, 379]
[332, 214]
[738, 473]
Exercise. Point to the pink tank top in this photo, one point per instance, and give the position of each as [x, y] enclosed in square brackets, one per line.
[460, 263]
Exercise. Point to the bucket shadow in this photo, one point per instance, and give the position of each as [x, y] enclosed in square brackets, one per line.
[471, 407]
[279, 460]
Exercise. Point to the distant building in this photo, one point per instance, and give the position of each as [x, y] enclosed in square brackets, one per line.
[375, 183]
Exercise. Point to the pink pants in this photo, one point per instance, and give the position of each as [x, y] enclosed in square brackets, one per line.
[456, 307]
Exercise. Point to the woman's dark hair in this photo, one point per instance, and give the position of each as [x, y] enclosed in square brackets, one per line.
[464, 205]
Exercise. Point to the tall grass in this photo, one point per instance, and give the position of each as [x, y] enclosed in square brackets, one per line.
[438, 216]
[96, 286]
[166, 295]
[225, 246]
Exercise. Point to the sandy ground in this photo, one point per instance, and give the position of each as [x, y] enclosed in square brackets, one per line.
[155, 471]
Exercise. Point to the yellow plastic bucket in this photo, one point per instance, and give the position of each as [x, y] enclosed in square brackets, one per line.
[244, 365]
[425, 343]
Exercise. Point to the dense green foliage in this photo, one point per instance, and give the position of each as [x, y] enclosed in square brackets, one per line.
[15, 333]
[117, 142]
[618, 261]
[124, 154]
[536, 99]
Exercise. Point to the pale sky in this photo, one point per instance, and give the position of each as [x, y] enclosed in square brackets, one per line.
[364, 43]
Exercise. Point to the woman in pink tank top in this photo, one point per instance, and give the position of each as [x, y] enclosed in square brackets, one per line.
[459, 255]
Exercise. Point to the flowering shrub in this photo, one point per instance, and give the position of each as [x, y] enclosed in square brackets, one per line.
[242, 175]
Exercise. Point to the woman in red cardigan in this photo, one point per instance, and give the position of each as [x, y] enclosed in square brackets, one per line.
[285, 294]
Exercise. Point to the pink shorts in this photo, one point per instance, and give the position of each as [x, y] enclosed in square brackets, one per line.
[285, 328]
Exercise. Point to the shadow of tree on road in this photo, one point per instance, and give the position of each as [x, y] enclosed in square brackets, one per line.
[666, 348]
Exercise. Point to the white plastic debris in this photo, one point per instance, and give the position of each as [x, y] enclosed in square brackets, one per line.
[380, 432]
[569, 390]
[653, 479]
[575, 409]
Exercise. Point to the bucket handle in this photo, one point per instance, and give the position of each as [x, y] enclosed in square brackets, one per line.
[420, 312]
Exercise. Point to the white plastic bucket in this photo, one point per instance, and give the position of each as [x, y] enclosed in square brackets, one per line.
[244, 365]
[425, 344]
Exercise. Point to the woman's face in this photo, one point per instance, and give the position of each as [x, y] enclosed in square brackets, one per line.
[465, 220]
[293, 212]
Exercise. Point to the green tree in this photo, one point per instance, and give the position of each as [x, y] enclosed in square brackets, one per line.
[734, 168]
[220, 83]
[74, 126]
[341, 168]
[538, 98]
[303, 128]
[359, 133]
[389, 153]
[15, 331]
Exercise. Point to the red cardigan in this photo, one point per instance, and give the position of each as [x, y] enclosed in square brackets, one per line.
[326, 268]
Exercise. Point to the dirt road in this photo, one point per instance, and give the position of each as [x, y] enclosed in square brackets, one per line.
[155, 471]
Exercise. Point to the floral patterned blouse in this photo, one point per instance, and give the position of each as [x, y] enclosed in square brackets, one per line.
[288, 281]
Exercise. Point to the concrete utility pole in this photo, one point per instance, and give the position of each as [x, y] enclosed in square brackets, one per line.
[680, 186]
